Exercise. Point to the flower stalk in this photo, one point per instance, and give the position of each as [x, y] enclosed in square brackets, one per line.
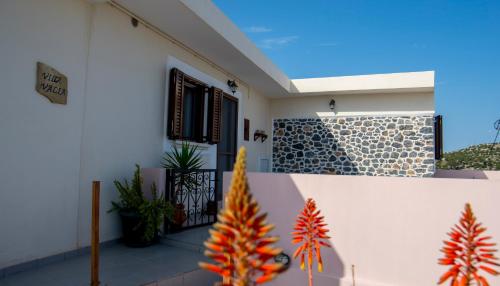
[310, 232]
[239, 243]
[467, 252]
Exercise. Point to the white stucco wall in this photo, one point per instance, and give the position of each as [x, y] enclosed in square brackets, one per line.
[353, 104]
[50, 153]
[390, 229]
[40, 141]
[257, 110]
[126, 104]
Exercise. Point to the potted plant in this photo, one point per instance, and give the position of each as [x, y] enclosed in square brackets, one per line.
[185, 161]
[141, 217]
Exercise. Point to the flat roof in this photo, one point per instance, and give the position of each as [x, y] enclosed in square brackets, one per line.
[375, 83]
[201, 26]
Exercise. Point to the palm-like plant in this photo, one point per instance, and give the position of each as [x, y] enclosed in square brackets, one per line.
[467, 252]
[310, 230]
[186, 161]
[188, 158]
[239, 243]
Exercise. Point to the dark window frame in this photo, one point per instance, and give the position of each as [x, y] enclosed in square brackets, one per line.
[179, 81]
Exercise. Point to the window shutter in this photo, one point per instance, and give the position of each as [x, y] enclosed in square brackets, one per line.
[438, 137]
[214, 115]
[174, 129]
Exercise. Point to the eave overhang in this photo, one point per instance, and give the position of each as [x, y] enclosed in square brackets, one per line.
[202, 28]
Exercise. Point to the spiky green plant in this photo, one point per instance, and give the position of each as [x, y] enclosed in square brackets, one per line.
[151, 211]
[188, 158]
[186, 161]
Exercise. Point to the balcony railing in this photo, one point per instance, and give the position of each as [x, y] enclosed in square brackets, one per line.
[192, 192]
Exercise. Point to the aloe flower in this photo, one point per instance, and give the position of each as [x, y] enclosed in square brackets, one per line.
[239, 243]
[310, 231]
[467, 252]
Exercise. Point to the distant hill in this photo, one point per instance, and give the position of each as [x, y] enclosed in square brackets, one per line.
[477, 157]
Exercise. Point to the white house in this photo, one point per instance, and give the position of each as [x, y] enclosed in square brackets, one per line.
[143, 76]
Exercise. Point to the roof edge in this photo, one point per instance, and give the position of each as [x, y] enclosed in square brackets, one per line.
[220, 23]
[408, 81]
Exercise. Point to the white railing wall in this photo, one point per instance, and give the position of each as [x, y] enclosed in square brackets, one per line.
[389, 228]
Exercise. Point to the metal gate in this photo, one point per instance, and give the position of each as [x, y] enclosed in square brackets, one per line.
[192, 193]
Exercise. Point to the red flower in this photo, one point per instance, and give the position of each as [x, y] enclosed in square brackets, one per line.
[239, 243]
[467, 252]
[310, 230]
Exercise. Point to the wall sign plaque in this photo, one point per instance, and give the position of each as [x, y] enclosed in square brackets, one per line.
[51, 83]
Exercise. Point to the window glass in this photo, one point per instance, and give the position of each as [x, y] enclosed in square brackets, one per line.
[188, 111]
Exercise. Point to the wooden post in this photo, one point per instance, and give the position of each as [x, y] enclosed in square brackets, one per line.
[94, 243]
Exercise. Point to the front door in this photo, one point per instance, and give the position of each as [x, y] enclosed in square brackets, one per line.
[226, 148]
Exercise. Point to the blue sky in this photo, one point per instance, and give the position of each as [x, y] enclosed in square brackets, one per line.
[460, 40]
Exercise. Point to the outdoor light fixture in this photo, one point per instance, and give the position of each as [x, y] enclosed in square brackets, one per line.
[232, 85]
[134, 22]
[260, 134]
[332, 104]
[283, 258]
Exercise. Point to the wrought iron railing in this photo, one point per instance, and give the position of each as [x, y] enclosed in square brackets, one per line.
[192, 193]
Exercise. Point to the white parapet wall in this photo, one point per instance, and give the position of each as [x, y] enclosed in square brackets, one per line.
[391, 229]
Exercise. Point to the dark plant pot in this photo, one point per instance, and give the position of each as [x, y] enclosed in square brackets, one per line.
[133, 230]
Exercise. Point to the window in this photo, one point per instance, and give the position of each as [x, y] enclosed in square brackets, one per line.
[189, 109]
[192, 112]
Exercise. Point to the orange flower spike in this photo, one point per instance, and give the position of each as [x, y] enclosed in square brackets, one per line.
[310, 232]
[467, 252]
[239, 243]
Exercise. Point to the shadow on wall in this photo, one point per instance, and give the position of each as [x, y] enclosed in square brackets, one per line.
[372, 219]
[284, 218]
[310, 146]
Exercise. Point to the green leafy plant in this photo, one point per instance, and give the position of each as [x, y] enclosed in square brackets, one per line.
[186, 161]
[188, 158]
[151, 211]
[475, 157]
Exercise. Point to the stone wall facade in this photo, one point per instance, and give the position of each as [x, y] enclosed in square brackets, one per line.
[373, 146]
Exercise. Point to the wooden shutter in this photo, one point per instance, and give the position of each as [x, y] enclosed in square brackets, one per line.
[214, 115]
[246, 129]
[438, 137]
[175, 98]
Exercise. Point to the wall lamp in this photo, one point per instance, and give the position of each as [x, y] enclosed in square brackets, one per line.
[332, 104]
[260, 134]
[232, 86]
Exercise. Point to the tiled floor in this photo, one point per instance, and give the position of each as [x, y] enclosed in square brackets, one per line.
[189, 239]
[121, 265]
